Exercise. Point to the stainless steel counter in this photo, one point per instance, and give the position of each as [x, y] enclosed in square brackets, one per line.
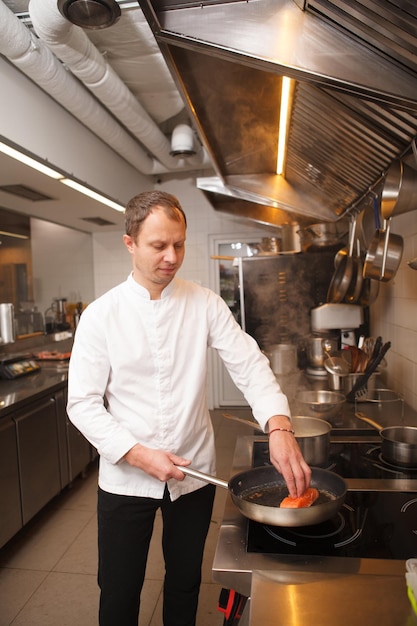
[330, 599]
[16, 393]
[233, 565]
[302, 589]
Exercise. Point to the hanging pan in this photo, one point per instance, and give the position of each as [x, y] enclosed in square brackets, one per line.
[344, 272]
[355, 288]
[369, 292]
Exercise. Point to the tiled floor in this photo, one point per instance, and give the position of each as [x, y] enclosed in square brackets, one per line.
[48, 571]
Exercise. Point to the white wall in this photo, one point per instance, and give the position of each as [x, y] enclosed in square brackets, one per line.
[62, 264]
[112, 262]
[394, 315]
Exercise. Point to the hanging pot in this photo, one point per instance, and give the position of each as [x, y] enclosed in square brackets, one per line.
[384, 255]
[319, 236]
[399, 194]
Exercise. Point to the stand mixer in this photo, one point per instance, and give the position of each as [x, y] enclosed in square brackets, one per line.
[336, 324]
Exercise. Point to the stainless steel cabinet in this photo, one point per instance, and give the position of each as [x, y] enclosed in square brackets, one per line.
[79, 450]
[61, 410]
[10, 507]
[38, 454]
[41, 453]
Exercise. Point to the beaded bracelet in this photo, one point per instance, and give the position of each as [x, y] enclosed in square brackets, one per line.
[285, 430]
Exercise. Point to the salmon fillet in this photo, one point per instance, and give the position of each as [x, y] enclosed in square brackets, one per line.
[309, 496]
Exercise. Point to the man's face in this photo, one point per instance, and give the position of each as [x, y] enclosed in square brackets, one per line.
[158, 252]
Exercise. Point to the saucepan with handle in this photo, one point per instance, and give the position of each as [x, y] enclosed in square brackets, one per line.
[399, 443]
[258, 493]
[312, 435]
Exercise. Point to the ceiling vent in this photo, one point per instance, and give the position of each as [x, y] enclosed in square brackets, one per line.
[92, 14]
[25, 192]
[98, 221]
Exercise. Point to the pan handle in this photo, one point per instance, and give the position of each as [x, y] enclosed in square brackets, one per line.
[370, 421]
[189, 471]
[377, 218]
[387, 226]
[235, 418]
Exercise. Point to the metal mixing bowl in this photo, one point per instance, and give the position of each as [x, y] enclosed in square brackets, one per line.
[320, 403]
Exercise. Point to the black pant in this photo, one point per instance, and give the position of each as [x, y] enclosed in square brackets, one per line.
[125, 525]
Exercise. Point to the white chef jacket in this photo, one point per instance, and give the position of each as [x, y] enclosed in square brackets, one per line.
[148, 359]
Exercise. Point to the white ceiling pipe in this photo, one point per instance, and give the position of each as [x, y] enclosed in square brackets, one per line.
[73, 47]
[35, 60]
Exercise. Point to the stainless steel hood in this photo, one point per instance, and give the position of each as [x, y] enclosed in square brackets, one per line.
[354, 105]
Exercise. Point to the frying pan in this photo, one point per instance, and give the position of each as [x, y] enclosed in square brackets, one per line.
[312, 435]
[399, 443]
[258, 492]
[344, 272]
[354, 290]
[369, 292]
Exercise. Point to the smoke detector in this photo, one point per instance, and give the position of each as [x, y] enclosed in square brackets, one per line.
[182, 141]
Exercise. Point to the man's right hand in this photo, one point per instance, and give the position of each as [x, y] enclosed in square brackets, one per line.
[156, 463]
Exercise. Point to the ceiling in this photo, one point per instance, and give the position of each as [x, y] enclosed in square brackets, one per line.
[218, 65]
[132, 53]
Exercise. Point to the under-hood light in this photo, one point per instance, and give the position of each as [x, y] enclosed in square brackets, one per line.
[92, 194]
[283, 123]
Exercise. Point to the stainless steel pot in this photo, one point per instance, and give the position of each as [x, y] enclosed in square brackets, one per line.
[319, 236]
[384, 255]
[7, 323]
[282, 357]
[316, 354]
[399, 193]
[312, 435]
[399, 443]
[258, 492]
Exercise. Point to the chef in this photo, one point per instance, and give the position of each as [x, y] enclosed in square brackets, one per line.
[137, 391]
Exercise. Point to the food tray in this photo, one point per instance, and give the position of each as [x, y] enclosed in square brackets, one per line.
[53, 356]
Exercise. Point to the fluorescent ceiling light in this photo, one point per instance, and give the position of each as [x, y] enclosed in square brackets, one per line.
[27, 160]
[16, 235]
[92, 194]
[48, 171]
[283, 123]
